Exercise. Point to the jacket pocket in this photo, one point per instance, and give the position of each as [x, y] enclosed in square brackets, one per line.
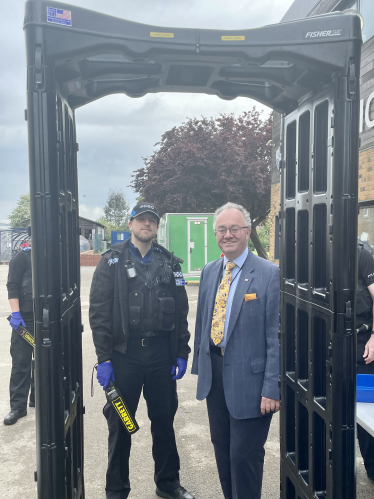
[258, 365]
[166, 313]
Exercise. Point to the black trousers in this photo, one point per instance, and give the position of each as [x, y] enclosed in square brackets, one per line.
[148, 367]
[22, 374]
[238, 443]
[365, 440]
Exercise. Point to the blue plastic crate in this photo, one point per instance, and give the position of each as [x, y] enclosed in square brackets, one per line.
[365, 388]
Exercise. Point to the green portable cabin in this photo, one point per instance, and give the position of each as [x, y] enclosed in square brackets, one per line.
[190, 236]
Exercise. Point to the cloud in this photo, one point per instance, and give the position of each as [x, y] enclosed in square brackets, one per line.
[115, 132]
[92, 213]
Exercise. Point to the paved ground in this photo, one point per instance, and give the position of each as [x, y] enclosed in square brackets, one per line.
[198, 470]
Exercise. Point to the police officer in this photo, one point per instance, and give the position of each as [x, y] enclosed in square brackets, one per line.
[19, 286]
[138, 317]
[365, 342]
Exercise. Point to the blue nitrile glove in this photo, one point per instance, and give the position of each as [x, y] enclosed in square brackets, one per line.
[105, 373]
[182, 366]
[16, 320]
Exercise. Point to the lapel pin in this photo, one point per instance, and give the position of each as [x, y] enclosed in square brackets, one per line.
[246, 279]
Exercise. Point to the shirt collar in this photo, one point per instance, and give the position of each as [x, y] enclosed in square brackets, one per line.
[238, 261]
[136, 254]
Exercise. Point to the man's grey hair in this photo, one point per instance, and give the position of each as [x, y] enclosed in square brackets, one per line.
[229, 206]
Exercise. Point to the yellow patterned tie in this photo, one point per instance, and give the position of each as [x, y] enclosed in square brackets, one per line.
[217, 332]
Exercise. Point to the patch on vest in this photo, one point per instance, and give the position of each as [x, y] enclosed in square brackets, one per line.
[112, 261]
[180, 282]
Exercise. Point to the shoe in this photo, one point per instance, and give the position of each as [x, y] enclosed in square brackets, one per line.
[179, 493]
[14, 416]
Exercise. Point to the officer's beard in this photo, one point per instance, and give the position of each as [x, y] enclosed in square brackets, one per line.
[143, 237]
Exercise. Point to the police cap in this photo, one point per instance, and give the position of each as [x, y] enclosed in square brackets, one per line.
[144, 207]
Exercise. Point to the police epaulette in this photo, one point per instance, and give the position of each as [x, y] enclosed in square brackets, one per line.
[157, 249]
[105, 252]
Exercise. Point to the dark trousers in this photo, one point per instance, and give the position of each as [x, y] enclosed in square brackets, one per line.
[238, 443]
[21, 378]
[148, 367]
[365, 440]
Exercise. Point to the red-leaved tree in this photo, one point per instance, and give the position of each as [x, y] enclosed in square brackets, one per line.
[205, 163]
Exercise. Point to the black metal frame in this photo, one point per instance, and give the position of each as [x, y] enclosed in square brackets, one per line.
[283, 66]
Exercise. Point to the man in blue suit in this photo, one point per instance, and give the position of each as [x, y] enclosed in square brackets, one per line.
[236, 353]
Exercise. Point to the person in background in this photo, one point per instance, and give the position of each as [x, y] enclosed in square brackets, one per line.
[19, 287]
[365, 342]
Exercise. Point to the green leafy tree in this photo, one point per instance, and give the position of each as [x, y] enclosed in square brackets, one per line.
[21, 211]
[109, 226]
[117, 209]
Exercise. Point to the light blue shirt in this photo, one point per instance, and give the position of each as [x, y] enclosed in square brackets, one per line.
[234, 282]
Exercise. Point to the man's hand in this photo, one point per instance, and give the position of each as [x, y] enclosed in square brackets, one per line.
[16, 320]
[105, 373]
[369, 351]
[182, 366]
[269, 405]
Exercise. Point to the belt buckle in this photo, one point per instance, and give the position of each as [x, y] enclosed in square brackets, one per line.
[143, 344]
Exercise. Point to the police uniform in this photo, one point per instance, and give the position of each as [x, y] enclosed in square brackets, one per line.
[364, 326]
[138, 316]
[19, 286]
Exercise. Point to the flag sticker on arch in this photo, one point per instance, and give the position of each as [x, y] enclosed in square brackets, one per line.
[59, 16]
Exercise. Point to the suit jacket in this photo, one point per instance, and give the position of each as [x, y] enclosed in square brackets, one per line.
[251, 360]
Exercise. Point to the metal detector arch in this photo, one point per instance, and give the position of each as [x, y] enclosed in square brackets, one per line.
[308, 71]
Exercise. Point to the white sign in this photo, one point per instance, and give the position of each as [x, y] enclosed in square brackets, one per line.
[364, 113]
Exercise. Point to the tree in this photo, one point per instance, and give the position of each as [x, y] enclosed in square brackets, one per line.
[263, 232]
[109, 226]
[117, 209]
[21, 211]
[204, 163]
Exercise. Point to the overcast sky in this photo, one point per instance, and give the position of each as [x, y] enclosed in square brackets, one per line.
[115, 132]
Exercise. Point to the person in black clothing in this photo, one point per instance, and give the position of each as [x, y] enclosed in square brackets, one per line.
[19, 286]
[138, 316]
[365, 342]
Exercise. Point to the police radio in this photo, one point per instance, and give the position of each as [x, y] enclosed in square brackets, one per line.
[115, 398]
[22, 331]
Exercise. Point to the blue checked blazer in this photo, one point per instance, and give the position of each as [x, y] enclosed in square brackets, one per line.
[251, 360]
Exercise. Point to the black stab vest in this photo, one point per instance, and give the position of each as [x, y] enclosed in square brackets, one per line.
[151, 307]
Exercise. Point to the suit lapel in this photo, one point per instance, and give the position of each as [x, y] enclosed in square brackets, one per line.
[245, 279]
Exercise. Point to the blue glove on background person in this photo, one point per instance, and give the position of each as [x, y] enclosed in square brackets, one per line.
[105, 373]
[182, 367]
[16, 320]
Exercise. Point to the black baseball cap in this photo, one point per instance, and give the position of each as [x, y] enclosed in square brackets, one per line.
[144, 207]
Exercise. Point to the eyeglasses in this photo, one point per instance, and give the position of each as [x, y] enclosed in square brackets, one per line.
[233, 230]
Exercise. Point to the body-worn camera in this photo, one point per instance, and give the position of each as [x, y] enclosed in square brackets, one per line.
[130, 269]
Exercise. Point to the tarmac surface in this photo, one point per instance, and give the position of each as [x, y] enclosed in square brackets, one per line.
[198, 469]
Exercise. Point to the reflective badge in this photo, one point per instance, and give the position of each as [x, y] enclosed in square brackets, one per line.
[112, 261]
[180, 282]
[178, 274]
